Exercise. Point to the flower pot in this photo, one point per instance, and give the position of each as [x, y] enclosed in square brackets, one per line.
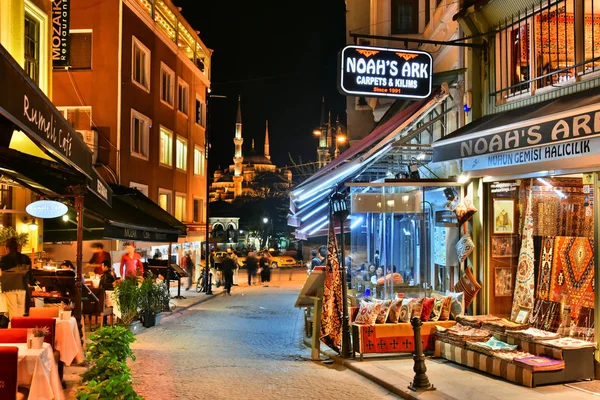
[135, 327]
[159, 317]
[37, 342]
[149, 320]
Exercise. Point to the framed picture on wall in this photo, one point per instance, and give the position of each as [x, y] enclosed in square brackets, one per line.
[523, 315]
[503, 282]
[504, 246]
[504, 216]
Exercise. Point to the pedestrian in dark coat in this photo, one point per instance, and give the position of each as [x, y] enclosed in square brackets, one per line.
[265, 273]
[251, 267]
[227, 267]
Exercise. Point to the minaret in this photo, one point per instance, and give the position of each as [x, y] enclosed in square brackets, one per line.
[323, 149]
[238, 158]
[267, 155]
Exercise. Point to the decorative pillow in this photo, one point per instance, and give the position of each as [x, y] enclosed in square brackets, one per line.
[394, 313]
[464, 247]
[441, 309]
[416, 308]
[405, 310]
[468, 285]
[457, 306]
[464, 211]
[383, 313]
[427, 307]
[367, 314]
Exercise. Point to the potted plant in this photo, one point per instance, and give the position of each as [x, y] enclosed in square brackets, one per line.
[152, 298]
[37, 341]
[126, 297]
[8, 232]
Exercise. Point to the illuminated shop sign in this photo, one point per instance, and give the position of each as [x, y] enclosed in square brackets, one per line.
[378, 72]
[60, 33]
[46, 209]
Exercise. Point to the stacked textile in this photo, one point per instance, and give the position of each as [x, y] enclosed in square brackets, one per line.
[503, 325]
[568, 343]
[533, 334]
[460, 335]
[490, 346]
[539, 363]
[476, 321]
[509, 355]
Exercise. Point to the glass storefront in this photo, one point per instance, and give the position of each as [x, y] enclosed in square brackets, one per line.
[403, 239]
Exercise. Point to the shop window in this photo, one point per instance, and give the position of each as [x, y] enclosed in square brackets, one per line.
[164, 199]
[181, 153]
[140, 134]
[32, 48]
[80, 55]
[140, 73]
[180, 206]
[198, 161]
[402, 239]
[551, 220]
[139, 186]
[183, 96]
[198, 208]
[167, 85]
[405, 16]
[166, 147]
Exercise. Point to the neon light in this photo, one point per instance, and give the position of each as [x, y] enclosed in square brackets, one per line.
[329, 181]
[319, 227]
[313, 200]
[313, 212]
[310, 226]
[356, 223]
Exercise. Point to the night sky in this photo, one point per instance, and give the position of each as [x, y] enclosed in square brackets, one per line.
[281, 56]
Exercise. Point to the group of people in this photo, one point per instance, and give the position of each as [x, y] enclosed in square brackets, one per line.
[253, 263]
[230, 266]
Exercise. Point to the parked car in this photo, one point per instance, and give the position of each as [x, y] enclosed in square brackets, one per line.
[277, 259]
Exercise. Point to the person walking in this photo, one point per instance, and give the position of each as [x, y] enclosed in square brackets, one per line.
[99, 257]
[227, 267]
[316, 261]
[131, 262]
[16, 271]
[251, 267]
[265, 272]
[237, 266]
[189, 268]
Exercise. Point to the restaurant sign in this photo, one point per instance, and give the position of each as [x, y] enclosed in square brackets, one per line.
[130, 233]
[60, 33]
[380, 72]
[33, 113]
[553, 152]
[46, 209]
[578, 124]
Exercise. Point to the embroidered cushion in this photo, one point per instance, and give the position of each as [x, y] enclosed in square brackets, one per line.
[416, 308]
[468, 285]
[464, 211]
[394, 313]
[427, 308]
[405, 310]
[464, 247]
[383, 312]
[457, 305]
[367, 313]
[441, 309]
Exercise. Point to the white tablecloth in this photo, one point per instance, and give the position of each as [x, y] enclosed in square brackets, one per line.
[37, 370]
[111, 302]
[68, 342]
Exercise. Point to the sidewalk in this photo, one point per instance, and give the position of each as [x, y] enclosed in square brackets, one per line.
[452, 381]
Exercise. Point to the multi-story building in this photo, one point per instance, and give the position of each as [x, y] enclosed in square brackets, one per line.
[136, 87]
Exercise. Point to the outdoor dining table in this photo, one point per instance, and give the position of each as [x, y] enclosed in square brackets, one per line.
[68, 341]
[38, 371]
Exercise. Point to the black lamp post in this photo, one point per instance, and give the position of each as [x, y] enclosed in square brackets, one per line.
[339, 208]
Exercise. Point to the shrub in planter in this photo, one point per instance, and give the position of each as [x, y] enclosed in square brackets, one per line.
[111, 341]
[127, 298]
[152, 298]
[117, 387]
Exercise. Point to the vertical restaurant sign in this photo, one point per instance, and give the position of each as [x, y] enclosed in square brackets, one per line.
[380, 72]
[60, 33]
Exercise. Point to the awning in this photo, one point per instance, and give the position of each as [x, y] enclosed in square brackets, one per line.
[309, 201]
[556, 129]
[132, 217]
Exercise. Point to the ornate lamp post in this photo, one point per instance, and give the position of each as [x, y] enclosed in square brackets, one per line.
[339, 207]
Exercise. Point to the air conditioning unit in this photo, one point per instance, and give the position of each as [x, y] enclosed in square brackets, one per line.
[90, 137]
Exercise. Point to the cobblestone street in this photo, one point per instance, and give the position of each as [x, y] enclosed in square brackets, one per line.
[247, 346]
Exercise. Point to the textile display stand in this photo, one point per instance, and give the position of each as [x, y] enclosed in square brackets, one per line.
[311, 297]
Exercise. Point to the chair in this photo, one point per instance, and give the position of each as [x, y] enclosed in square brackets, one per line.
[96, 308]
[9, 360]
[13, 335]
[44, 312]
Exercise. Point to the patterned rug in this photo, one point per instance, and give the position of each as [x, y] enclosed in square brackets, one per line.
[525, 281]
[331, 318]
[573, 273]
[545, 272]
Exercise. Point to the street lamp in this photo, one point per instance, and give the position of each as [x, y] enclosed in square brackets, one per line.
[339, 208]
[265, 220]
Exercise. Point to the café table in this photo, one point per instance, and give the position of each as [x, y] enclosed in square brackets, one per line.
[38, 371]
[68, 341]
[111, 302]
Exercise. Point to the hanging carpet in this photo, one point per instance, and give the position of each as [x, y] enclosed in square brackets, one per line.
[545, 272]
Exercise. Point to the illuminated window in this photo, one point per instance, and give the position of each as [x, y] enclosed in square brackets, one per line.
[181, 153]
[198, 161]
[180, 206]
[183, 96]
[140, 73]
[167, 85]
[32, 48]
[166, 147]
[140, 134]
[199, 111]
[164, 199]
